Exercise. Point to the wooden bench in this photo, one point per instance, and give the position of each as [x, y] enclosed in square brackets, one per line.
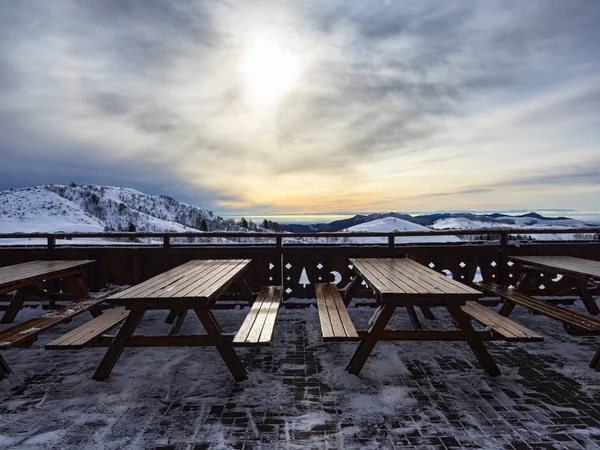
[336, 324]
[507, 329]
[87, 333]
[258, 326]
[575, 323]
[26, 333]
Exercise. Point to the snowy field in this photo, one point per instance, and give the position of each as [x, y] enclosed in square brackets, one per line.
[409, 395]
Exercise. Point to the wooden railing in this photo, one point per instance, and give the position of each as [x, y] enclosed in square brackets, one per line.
[281, 258]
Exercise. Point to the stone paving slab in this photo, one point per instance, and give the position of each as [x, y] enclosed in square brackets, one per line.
[409, 395]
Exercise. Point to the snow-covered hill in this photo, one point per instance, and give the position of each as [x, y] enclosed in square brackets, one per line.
[390, 224]
[91, 208]
[37, 210]
[463, 223]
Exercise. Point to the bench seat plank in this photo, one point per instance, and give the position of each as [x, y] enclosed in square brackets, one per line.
[259, 324]
[572, 318]
[333, 315]
[28, 330]
[81, 336]
[505, 327]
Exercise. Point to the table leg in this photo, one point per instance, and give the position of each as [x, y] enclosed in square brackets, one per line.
[595, 364]
[476, 344]
[79, 286]
[426, 310]
[13, 307]
[506, 308]
[366, 346]
[4, 368]
[352, 289]
[172, 315]
[246, 291]
[178, 322]
[588, 300]
[118, 344]
[414, 320]
[225, 349]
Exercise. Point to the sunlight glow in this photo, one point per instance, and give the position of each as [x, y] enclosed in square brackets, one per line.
[269, 71]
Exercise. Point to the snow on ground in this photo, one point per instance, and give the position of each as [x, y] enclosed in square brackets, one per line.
[409, 394]
[391, 224]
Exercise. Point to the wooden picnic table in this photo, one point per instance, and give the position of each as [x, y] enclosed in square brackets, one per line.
[402, 282]
[581, 273]
[28, 278]
[194, 285]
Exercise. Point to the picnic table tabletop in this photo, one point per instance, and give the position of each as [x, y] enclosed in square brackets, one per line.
[566, 264]
[197, 280]
[34, 270]
[403, 278]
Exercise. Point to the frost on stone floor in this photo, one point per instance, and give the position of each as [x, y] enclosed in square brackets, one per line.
[298, 395]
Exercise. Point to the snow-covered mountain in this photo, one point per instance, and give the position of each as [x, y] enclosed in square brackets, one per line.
[390, 224]
[92, 208]
[530, 221]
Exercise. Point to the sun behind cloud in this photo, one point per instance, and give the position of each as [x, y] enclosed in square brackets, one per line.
[270, 70]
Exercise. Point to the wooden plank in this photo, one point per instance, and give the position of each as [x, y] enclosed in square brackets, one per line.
[242, 334]
[222, 269]
[400, 270]
[33, 327]
[212, 290]
[324, 319]
[394, 279]
[37, 269]
[153, 283]
[547, 309]
[567, 264]
[342, 311]
[82, 335]
[261, 317]
[451, 286]
[372, 277]
[510, 330]
[267, 333]
[176, 287]
[334, 315]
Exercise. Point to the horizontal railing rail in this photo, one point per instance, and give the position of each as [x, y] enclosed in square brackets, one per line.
[274, 235]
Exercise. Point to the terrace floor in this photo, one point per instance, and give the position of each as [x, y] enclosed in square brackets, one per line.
[409, 395]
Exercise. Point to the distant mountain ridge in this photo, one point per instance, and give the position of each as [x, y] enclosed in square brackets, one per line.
[430, 220]
[94, 208]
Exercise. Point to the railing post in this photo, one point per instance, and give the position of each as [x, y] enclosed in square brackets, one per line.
[166, 242]
[279, 261]
[503, 260]
[51, 242]
[391, 241]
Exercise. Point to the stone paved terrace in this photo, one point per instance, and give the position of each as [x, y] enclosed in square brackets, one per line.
[409, 395]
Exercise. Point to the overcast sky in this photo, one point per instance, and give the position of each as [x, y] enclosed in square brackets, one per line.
[301, 106]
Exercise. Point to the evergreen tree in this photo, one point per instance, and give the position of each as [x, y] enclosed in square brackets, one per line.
[203, 225]
[131, 227]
